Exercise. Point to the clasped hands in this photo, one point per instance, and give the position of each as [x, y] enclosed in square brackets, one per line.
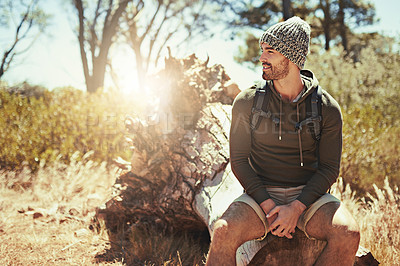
[282, 219]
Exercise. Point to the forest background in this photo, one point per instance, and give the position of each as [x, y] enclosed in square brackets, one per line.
[120, 45]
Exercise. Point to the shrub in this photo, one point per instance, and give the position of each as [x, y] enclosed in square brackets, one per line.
[378, 216]
[370, 148]
[367, 88]
[60, 122]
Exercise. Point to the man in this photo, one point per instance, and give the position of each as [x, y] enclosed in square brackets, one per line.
[285, 172]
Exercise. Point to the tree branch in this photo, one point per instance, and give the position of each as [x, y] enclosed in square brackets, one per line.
[93, 35]
[81, 38]
[150, 25]
[9, 55]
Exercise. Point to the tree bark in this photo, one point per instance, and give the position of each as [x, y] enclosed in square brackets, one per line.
[326, 22]
[177, 149]
[99, 46]
[287, 9]
[342, 25]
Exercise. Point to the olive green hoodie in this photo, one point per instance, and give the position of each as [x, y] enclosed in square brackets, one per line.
[276, 154]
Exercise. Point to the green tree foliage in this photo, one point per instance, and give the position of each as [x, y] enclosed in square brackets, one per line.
[332, 21]
[339, 18]
[28, 20]
[249, 13]
[368, 80]
[38, 126]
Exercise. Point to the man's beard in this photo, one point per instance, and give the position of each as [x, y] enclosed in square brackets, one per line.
[279, 71]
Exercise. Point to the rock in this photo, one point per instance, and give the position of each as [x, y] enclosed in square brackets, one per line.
[37, 215]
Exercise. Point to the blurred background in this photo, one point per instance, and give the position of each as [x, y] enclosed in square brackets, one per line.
[71, 70]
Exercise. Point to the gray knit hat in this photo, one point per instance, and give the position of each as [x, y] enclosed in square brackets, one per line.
[291, 38]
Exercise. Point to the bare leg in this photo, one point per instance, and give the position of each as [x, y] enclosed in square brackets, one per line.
[334, 224]
[238, 224]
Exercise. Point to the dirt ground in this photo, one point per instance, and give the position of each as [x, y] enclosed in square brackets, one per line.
[42, 228]
[36, 238]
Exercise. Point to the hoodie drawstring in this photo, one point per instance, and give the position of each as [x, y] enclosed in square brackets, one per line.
[298, 133]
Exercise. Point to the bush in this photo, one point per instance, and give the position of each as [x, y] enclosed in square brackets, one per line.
[370, 148]
[378, 216]
[60, 122]
[367, 88]
[371, 80]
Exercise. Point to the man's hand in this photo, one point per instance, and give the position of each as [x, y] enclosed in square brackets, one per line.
[288, 215]
[267, 206]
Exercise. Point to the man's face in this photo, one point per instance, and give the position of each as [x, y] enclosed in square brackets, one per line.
[275, 65]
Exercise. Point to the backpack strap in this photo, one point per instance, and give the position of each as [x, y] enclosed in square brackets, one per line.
[313, 113]
[314, 117]
[260, 103]
[316, 112]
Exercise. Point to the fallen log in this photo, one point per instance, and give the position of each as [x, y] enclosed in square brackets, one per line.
[300, 251]
[179, 176]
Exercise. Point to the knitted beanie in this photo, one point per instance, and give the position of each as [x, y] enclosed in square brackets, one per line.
[291, 38]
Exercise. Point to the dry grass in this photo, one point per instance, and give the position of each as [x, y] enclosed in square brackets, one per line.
[46, 216]
[45, 220]
[156, 247]
[378, 216]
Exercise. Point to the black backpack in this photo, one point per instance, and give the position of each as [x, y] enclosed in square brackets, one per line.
[313, 110]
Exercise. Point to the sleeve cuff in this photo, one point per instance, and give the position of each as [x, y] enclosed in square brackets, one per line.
[260, 195]
[305, 200]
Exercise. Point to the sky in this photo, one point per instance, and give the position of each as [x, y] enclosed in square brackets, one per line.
[54, 60]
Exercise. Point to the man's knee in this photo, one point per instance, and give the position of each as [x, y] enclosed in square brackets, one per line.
[353, 238]
[239, 224]
[226, 235]
[221, 231]
[334, 223]
[347, 234]
[345, 229]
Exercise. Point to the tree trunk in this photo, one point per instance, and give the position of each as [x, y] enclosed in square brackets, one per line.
[287, 9]
[342, 25]
[99, 47]
[96, 80]
[180, 176]
[326, 22]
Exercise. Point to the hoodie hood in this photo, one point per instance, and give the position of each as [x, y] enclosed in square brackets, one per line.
[310, 83]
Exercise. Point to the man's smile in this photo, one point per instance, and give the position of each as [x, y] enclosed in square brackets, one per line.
[266, 66]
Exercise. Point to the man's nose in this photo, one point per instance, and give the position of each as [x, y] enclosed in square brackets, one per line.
[262, 58]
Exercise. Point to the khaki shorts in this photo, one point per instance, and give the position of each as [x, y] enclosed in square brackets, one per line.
[282, 196]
